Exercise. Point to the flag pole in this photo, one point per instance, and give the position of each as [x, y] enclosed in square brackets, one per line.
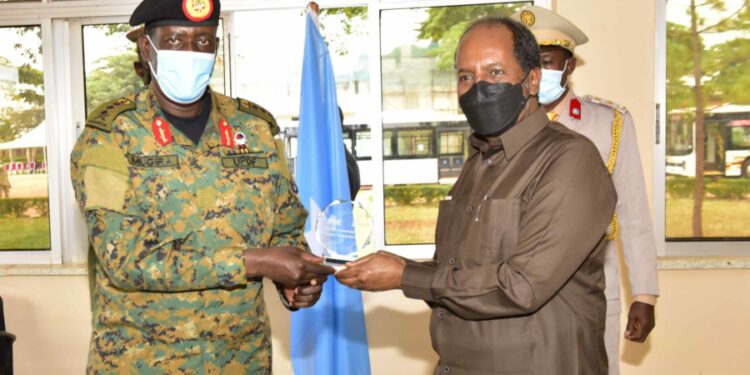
[315, 10]
[330, 337]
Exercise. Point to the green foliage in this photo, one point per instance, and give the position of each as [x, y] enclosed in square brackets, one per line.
[31, 76]
[337, 23]
[725, 66]
[716, 188]
[16, 121]
[444, 26]
[733, 70]
[31, 53]
[114, 29]
[679, 53]
[21, 207]
[415, 194]
[114, 78]
[26, 108]
[349, 13]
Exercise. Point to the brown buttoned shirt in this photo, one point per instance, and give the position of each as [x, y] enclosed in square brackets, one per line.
[517, 284]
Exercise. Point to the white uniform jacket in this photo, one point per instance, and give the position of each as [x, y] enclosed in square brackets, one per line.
[594, 118]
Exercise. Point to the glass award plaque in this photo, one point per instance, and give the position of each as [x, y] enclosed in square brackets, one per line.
[344, 229]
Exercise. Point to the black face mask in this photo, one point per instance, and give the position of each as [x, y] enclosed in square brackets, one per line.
[492, 108]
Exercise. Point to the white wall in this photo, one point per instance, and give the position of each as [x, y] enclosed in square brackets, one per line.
[703, 322]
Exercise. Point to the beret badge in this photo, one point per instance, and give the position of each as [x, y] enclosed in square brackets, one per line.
[197, 10]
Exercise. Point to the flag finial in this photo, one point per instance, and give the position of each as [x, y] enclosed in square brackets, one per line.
[313, 6]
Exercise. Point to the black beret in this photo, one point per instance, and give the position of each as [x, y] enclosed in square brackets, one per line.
[176, 13]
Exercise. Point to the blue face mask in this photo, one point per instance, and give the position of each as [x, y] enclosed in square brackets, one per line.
[183, 75]
[550, 88]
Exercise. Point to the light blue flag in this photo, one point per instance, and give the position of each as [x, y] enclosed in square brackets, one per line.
[329, 338]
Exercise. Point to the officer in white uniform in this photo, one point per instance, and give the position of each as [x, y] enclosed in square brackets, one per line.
[610, 127]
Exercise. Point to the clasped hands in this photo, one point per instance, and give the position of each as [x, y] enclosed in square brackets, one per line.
[299, 274]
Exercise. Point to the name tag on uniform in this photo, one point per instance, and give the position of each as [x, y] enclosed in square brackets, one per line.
[157, 161]
[244, 161]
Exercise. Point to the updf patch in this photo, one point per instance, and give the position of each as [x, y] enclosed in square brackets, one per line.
[103, 116]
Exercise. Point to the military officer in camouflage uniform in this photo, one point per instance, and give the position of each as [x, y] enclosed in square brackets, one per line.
[183, 227]
[610, 127]
[4, 183]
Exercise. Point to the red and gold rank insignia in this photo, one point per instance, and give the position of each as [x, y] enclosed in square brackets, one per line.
[197, 10]
[162, 134]
[225, 131]
[575, 109]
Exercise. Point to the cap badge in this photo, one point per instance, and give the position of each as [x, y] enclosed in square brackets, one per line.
[528, 18]
[197, 10]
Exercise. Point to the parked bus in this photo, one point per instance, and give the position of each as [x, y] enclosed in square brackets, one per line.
[425, 152]
[727, 142]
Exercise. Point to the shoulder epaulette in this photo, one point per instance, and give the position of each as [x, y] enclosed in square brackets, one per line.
[606, 103]
[103, 116]
[251, 108]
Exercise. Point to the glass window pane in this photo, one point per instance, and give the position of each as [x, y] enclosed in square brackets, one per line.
[271, 76]
[275, 83]
[451, 142]
[740, 134]
[414, 143]
[24, 208]
[109, 59]
[388, 144]
[363, 146]
[708, 123]
[419, 104]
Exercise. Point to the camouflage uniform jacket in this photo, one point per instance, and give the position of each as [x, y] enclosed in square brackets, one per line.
[168, 223]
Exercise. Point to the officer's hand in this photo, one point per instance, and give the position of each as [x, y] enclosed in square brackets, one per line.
[375, 272]
[286, 265]
[304, 296]
[640, 321]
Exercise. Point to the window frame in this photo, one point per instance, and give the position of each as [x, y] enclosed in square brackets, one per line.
[682, 247]
[53, 255]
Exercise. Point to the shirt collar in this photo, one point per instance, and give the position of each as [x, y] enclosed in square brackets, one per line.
[514, 139]
[146, 101]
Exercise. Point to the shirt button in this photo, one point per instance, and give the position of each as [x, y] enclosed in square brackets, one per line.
[469, 209]
[446, 369]
[487, 161]
[441, 315]
[452, 261]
